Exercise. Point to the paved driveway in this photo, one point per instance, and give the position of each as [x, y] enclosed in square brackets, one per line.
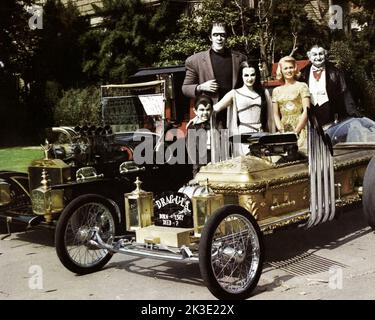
[332, 261]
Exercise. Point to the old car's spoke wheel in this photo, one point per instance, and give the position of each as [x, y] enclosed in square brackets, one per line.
[368, 199]
[77, 236]
[231, 253]
[78, 224]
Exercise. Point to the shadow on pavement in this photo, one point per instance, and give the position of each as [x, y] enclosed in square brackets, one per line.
[43, 237]
[165, 270]
[286, 244]
[282, 245]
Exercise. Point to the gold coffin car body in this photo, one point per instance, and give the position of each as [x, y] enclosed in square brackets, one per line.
[278, 195]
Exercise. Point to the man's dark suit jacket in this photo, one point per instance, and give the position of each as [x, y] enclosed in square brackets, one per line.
[340, 99]
[199, 70]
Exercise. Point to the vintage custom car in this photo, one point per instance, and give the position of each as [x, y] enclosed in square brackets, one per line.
[219, 219]
[84, 189]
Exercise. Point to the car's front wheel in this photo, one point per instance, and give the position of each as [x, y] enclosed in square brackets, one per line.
[77, 225]
[231, 253]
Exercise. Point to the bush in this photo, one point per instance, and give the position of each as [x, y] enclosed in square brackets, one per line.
[78, 107]
[360, 84]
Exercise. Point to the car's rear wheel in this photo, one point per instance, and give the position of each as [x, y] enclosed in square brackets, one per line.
[231, 253]
[368, 198]
[78, 223]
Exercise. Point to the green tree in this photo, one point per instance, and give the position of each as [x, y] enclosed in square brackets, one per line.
[59, 56]
[129, 36]
[293, 31]
[56, 62]
[38, 63]
[266, 32]
[17, 40]
[17, 45]
[78, 107]
[362, 38]
[356, 55]
[194, 28]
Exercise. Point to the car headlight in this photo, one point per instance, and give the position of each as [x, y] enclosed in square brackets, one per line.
[46, 201]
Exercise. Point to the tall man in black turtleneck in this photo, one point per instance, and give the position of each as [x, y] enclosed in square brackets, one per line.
[213, 72]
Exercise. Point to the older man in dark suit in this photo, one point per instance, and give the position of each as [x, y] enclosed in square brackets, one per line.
[213, 72]
[330, 95]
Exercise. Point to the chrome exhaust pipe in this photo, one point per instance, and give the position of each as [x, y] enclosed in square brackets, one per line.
[184, 253]
[312, 172]
[319, 180]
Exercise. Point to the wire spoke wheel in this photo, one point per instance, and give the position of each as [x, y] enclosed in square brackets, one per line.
[231, 253]
[83, 223]
[77, 226]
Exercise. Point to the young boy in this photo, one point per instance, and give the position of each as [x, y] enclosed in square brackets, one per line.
[199, 128]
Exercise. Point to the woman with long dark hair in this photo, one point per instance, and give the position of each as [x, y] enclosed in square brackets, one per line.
[249, 107]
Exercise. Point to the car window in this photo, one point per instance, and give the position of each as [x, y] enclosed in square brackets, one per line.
[353, 130]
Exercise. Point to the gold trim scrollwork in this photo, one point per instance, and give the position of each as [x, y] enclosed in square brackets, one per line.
[269, 228]
[353, 162]
[254, 187]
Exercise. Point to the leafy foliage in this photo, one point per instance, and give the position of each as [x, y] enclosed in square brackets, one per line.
[36, 61]
[17, 40]
[130, 36]
[59, 55]
[194, 30]
[43, 68]
[289, 20]
[266, 32]
[17, 46]
[78, 107]
[356, 56]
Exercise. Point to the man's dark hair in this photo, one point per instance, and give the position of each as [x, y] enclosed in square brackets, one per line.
[217, 24]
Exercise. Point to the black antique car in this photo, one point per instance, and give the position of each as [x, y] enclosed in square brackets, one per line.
[96, 163]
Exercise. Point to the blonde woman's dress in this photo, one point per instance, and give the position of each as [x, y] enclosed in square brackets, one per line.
[289, 99]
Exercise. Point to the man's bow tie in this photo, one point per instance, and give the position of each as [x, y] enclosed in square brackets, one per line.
[317, 72]
[317, 68]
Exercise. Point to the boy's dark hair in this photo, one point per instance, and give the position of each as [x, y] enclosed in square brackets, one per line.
[205, 100]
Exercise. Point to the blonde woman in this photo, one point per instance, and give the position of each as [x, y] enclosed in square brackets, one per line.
[290, 101]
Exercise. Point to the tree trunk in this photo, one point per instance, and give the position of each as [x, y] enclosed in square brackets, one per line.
[264, 9]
